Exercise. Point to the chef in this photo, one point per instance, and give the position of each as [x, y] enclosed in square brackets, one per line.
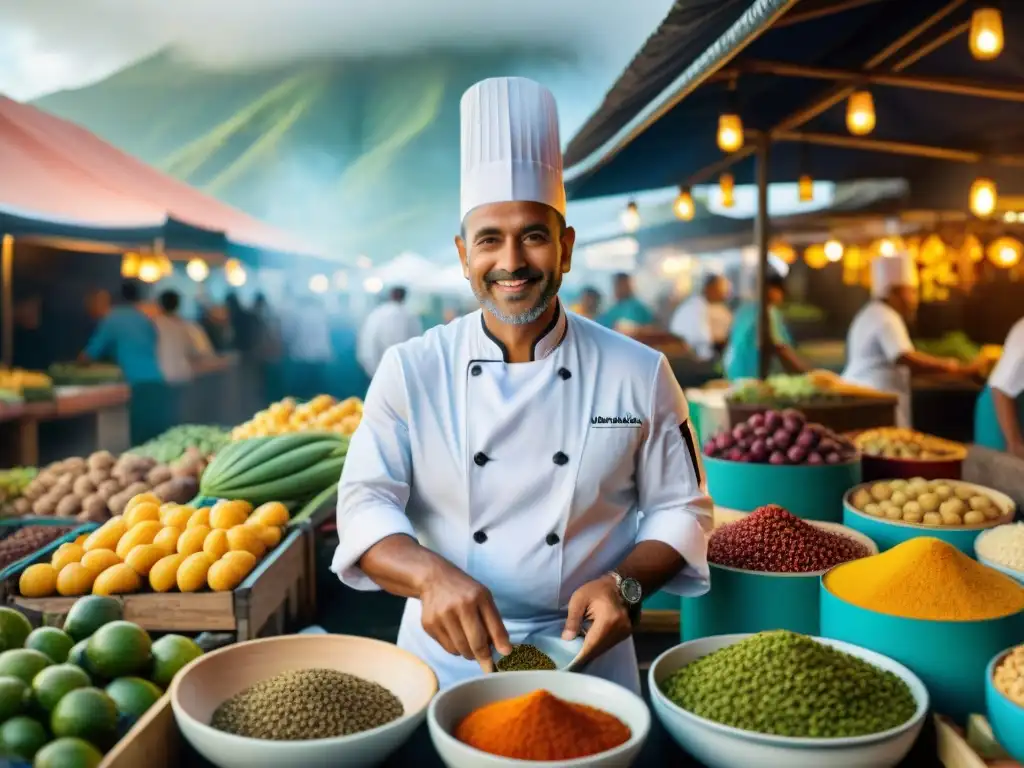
[999, 412]
[703, 320]
[879, 352]
[521, 470]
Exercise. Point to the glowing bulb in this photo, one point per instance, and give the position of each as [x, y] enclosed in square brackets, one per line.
[887, 247]
[234, 273]
[730, 132]
[805, 188]
[631, 217]
[973, 248]
[815, 257]
[784, 252]
[373, 285]
[130, 264]
[683, 206]
[149, 270]
[860, 113]
[1011, 217]
[1005, 252]
[727, 186]
[986, 38]
[983, 197]
[166, 267]
[197, 269]
[833, 251]
[319, 284]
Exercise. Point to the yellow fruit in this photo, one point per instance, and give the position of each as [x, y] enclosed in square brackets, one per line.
[80, 541]
[271, 513]
[142, 498]
[143, 533]
[75, 579]
[99, 560]
[67, 553]
[192, 572]
[164, 574]
[39, 580]
[227, 514]
[224, 577]
[216, 543]
[269, 535]
[200, 517]
[107, 535]
[140, 513]
[241, 559]
[177, 517]
[191, 541]
[120, 579]
[167, 539]
[242, 538]
[143, 557]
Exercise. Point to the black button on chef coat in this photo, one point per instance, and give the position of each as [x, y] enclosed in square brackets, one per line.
[565, 373]
[479, 537]
[551, 539]
[560, 459]
[480, 458]
[476, 370]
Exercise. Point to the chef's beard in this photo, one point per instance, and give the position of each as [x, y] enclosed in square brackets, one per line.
[549, 289]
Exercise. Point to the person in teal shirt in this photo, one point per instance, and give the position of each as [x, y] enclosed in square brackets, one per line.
[999, 412]
[741, 355]
[628, 313]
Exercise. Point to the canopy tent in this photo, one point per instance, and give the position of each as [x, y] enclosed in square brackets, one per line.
[407, 269]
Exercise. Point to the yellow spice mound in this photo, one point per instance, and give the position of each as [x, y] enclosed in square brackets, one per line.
[926, 578]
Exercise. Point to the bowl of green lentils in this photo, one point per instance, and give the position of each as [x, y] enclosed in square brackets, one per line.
[780, 699]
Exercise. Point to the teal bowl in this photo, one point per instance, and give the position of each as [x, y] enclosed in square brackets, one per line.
[949, 656]
[1005, 716]
[813, 492]
[888, 533]
[742, 601]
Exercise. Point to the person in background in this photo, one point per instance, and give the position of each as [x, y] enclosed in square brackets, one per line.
[589, 304]
[267, 349]
[388, 324]
[999, 412]
[308, 351]
[175, 348]
[628, 314]
[697, 322]
[879, 352]
[742, 355]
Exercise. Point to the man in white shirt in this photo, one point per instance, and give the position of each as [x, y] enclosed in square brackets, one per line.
[879, 351]
[999, 413]
[703, 321]
[389, 324]
[175, 347]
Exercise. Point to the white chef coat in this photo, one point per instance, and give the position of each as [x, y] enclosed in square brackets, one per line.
[533, 478]
[174, 349]
[1008, 375]
[386, 325]
[701, 324]
[877, 338]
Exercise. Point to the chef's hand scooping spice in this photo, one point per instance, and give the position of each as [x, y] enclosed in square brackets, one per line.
[1008, 677]
[924, 502]
[525, 658]
[780, 438]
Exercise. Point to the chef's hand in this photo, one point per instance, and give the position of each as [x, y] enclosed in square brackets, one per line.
[599, 602]
[460, 614]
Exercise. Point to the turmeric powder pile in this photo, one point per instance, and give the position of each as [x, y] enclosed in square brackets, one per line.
[540, 726]
[926, 578]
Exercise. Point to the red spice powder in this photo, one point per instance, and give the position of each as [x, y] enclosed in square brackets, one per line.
[772, 540]
[540, 726]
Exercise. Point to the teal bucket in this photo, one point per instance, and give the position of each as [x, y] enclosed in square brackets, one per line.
[950, 657]
[1005, 716]
[813, 492]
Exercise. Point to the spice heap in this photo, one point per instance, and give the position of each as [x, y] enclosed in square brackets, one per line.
[540, 726]
[1004, 546]
[307, 704]
[525, 658]
[936, 503]
[786, 684]
[926, 578]
[1009, 676]
[772, 540]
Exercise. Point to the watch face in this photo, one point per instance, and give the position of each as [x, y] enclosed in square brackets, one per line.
[631, 591]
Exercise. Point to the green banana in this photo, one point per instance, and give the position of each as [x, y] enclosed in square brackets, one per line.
[228, 455]
[262, 449]
[281, 466]
[300, 485]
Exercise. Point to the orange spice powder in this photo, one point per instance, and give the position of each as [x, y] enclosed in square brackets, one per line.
[540, 726]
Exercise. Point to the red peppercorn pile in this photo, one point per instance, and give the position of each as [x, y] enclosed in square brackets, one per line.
[772, 540]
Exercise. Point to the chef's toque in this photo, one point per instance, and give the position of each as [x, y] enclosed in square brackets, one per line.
[888, 272]
[510, 145]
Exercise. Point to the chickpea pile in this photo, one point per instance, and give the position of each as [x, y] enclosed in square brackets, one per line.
[1009, 676]
[935, 503]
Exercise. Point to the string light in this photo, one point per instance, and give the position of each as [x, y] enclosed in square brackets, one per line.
[631, 217]
[815, 257]
[888, 247]
[805, 188]
[784, 251]
[130, 264]
[234, 273]
[373, 285]
[833, 250]
[319, 284]
[730, 132]
[197, 269]
[860, 113]
[1005, 252]
[986, 38]
[149, 270]
[983, 197]
[727, 186]
[683, 206]
[973, 249]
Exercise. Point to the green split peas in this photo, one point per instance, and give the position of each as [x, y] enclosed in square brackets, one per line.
[785, 684]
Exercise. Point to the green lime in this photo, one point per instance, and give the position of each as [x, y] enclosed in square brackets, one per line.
[119, 649]
[89, 613]
[54, 642]
[68, 753]
[14, 628]
[13, 693]
[24, 663]
[22, 737]
[87, 713]
[170, 654]
[53, 683]
[133, 695]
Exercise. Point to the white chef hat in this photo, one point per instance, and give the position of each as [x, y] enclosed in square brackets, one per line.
[510, 145]
[888, 272]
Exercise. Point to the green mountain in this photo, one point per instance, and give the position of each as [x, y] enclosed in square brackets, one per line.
[358, 154]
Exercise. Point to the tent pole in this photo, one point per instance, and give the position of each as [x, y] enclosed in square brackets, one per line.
[898, 148]
[761, 233]
[7, 291]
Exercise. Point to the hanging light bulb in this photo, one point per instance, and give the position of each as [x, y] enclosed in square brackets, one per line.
[631, 217]
[730, 132]
[986, 39]
[784, 251]
[319, 283]
[805, 188]
[149, 270]
[197, 269]
[833, 250]
[683, 206]
[973, 248]
[130, 264]
[234, 273]
[166, 267]
[860, 113]
[727, 186]
[815, 257]
[983, 197]
[888, 247]
[1005, 252]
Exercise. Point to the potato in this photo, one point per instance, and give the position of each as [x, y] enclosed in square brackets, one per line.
[107, 489]
[118, 502]
[64, 484]
[83, 486]
[22, 506]
[179, 490]
[69, 506]
[98, 476]
[44, 507]
[102, 460]
[136, 488]
[75, 463]
[157, 475]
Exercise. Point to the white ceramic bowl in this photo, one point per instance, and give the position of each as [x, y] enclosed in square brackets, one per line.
[560, 651]
[722, 746]
[212, 679]
[453, 704]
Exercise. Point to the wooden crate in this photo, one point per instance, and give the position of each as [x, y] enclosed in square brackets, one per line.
[154, 741]
[275, 593]
[42, 555]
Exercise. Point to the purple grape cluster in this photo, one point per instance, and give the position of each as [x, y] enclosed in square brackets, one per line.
[781, 437]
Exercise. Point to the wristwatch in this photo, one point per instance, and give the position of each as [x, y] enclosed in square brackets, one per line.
[631, 592]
